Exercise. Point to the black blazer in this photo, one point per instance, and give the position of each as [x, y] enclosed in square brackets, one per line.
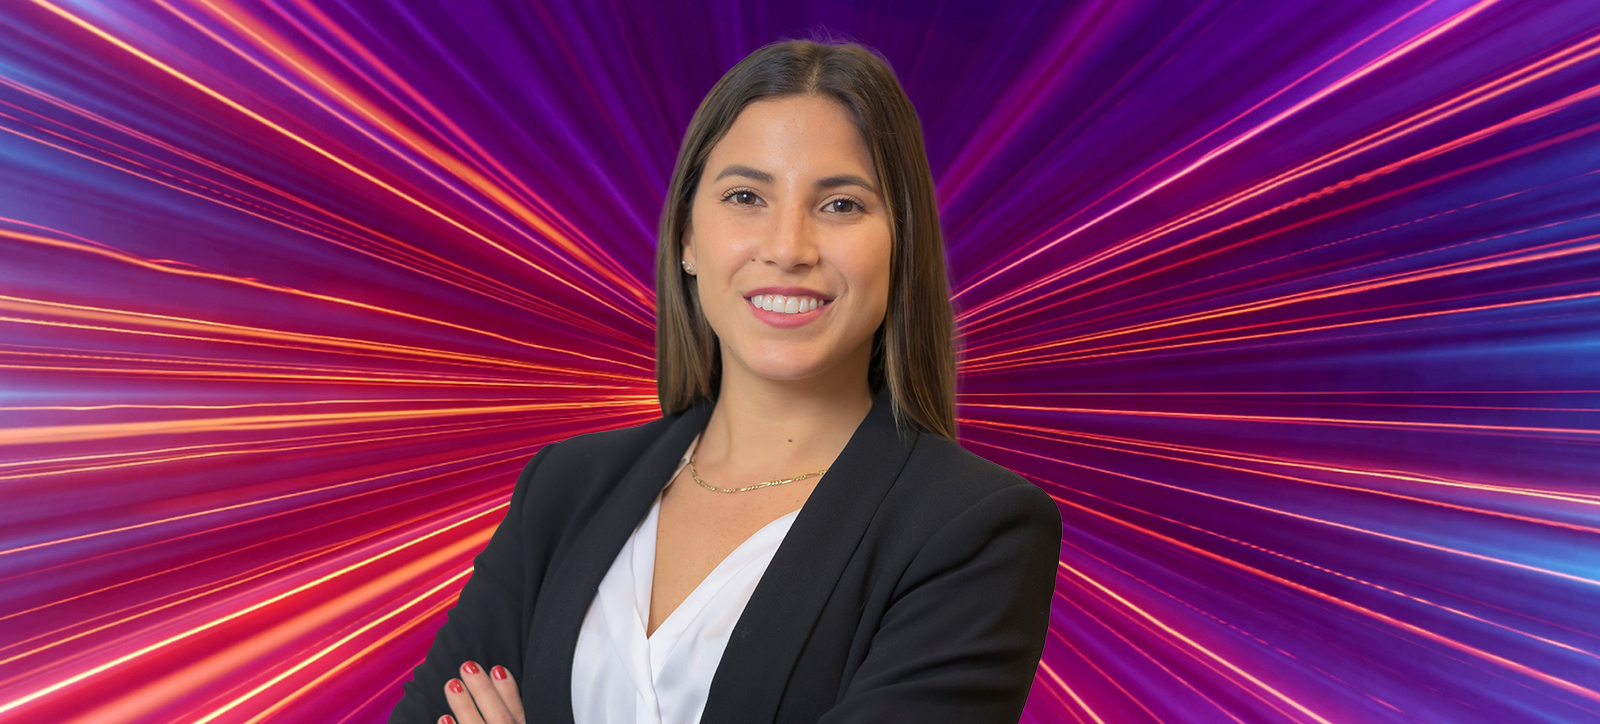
[915, 584]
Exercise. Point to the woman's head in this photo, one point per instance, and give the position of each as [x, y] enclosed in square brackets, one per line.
[828, 194]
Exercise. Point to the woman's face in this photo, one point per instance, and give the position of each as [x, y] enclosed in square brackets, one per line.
[788, 218]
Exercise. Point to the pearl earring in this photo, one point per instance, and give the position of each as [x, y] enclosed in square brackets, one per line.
[687, 266]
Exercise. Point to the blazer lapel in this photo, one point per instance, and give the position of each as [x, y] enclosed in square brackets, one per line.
[570, 587]
[775, 624]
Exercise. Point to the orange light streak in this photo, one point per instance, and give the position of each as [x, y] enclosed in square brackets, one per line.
[1103, 312]
[1508, 258]
[470, 479]
[349, 42]
[1129, 348]
[42, 308]
[374, 378]
[1045, 667]
[284, 700]
[119, 618]
[1574, 578]
[125, 658]
[248, 652]
[420, 261]
[1324, 65]
[1174, 633]
[273, 44]
[111, 430]
[1353, 579]
[1397, 623]
[143, 263]
[251, 405]
[1389, 280]
[315, 148]
[1219, 672]
[1390, 133]
[1043, 433]
[1350, 422]
[183, 453]
[1274, 393]
[1366, 69]
[501, 456]
[1081, 658]
[345, 373]
[396, 681]
[1140, 650]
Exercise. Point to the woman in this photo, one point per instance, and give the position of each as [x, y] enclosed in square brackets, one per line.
[798, 538]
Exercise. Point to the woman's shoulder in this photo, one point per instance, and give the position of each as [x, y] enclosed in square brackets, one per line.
[616, 447]
[948, 464]
[942, 480]
[581, 470]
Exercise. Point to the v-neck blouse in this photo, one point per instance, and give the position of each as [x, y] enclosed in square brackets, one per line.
[621, 676]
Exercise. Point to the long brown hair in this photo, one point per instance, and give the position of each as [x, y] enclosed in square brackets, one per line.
[912, 351]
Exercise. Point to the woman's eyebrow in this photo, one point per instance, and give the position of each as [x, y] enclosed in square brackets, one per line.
[745, 171]
[842, 179]
[845, 179]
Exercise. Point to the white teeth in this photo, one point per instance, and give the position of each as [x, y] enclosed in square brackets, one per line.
[785, 305]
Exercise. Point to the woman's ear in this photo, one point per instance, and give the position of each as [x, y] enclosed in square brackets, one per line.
[688, 248]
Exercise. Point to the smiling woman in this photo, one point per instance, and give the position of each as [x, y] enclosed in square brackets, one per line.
[791, 244]
[861, 144]
[798, 538]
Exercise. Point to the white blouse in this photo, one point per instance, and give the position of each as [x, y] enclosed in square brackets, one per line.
[620, 676]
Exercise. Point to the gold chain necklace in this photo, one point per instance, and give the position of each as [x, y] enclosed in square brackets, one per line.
[696, 475]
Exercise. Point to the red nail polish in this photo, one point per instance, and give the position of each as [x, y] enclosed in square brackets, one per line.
[499, 672]
[471, 668]
[455, 686]
[447, 719]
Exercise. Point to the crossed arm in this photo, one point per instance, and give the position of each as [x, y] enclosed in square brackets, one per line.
[959, 643]
[477, 631]
[962, 639]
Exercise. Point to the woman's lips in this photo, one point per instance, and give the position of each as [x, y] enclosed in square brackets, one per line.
[786, 319]
[788, 304]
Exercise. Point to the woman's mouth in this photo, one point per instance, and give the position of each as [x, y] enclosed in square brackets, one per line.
[787, 312]
[786, 305]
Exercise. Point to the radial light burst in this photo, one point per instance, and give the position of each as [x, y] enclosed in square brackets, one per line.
[1292, 307]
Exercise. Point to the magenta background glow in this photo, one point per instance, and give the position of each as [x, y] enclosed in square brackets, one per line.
[1293, 307]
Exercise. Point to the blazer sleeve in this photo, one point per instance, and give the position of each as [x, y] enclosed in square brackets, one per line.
[485, 625]
[962, 639]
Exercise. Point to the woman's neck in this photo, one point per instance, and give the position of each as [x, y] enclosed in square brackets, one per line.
[763, 426]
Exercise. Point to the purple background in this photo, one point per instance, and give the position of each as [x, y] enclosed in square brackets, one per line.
[1291, 306]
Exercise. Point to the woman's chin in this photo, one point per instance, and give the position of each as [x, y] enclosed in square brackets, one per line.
[787, 365]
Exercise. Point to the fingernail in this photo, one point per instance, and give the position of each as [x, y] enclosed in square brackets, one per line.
[455, 686]
[471, 668]
[447, 719]
[499, 672]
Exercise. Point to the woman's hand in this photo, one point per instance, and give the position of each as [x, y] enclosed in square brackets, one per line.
[494, 694]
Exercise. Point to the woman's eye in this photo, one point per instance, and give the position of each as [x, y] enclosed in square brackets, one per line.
[741, 198]
[843, 206]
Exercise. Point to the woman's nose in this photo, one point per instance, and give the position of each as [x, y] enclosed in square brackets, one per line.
[791, 242]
